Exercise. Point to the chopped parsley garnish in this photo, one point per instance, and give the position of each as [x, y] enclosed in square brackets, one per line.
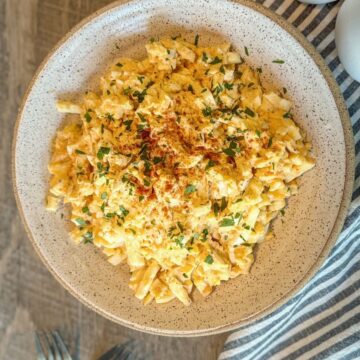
[270, 142]
[102, 207]
[128, 123]
[123, 210]
[288, 115]
[204, 235]
[180, 226]
[209, 259]
[222, 69]
[102, 128]
[196, 41]
[224, 203]
[141, 116]
[284, 90]
[104, 195]
[102, 151]
[204, 57]
[152, 39]
[258, 133]
[246, 51]
[157, 160]
[119, 64]
[141, 197]
[146, 182]
[216, 60]
[207, 111]
[228, 86]
[85, 210]
[216, 209]
[110, 117]
[80, 221]
[140, 95]
[246, 226]
[250, 84]
[190, 88]
[190, 189]
[282, 211]
[141, 78]
[278, 61]
[249, 112]
[227, 222]
[179, 241]
[88, 237]
[127, 90]
[185, 275]
[259, 70]
[229, 152]
[210, 164]
[87, 116]
[79, 152]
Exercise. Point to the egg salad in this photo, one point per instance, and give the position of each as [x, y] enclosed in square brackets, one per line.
[177, 165]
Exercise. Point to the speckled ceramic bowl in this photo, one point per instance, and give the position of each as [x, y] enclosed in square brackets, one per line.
[304, 235]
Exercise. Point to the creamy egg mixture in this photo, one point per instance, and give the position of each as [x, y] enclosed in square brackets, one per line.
[177, 166]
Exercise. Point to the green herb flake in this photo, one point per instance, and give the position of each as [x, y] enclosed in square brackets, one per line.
[141, 78]
[228, 86]
[142, 117]
[103, 195]
[210, 164]
[119, 64]
[207, 111]
[282, 211]
[157, 160]
[209, 259]
[287, 115]
[224, 203]
[87, 117]
[123, 210]
[102, 151]
[88, 237]
[216, 209]
[191, 89]
[102, 128]
[216, 60]
[141, 197]
[185, 275]
[222, 69]
[146, 182]
[249, 112]
[79, 152]
[284, 90]
[246, 51]
[190, 189]
[259, 70]
[110, 117]
[270, 142]
[85, 210]
[127, 91]
[229, 152]
[278, 61]
[227, 222]
[196, 41]
[258, 133]
[204, 57]
[80, 221]
[127, 124]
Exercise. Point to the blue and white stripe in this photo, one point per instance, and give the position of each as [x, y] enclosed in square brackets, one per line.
[323, 320]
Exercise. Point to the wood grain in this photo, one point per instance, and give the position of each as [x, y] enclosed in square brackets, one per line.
[30, 298]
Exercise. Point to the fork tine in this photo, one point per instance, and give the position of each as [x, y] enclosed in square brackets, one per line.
[39, 348]
[61, 345]
[53, 353]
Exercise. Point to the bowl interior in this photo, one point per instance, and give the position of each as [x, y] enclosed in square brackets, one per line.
[300, 235]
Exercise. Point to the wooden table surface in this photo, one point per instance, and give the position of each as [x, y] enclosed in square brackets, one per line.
[30, 298]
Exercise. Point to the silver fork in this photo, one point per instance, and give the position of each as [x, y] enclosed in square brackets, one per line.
[50, 346]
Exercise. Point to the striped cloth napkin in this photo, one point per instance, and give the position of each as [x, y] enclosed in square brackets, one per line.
[323, 320]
